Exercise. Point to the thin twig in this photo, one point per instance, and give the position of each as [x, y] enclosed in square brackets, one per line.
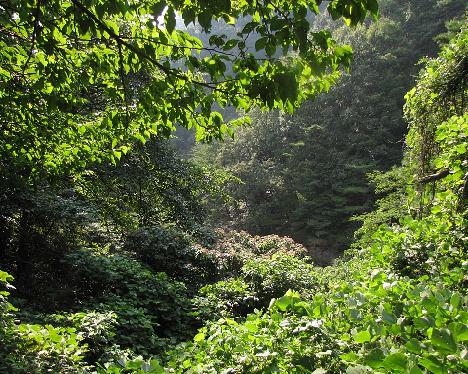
[34, 35]
[124, 86]
[168, 71]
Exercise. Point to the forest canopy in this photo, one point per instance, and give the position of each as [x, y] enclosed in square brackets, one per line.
[81, 79]
[306, 174]
[321, 229]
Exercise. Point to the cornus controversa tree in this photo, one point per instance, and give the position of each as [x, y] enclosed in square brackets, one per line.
[81, 80]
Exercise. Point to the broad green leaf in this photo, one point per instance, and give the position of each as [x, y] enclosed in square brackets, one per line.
[443, 340]
[230, 44]
[459, 331]
[205, 20]
[349, 357]
[415, 370]
[199, 337]
[396, 362]
[284, 302]
[414, 346]
[374, 358]
[362, 336]
[170, 20]
[433, 364]
[260, 43]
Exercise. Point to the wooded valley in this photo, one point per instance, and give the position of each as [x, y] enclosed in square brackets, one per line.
[233, 186]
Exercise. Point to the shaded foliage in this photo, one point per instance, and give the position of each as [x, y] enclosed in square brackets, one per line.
[305, 175]
[108, 278]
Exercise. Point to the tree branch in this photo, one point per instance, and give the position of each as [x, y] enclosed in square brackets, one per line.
[433, 177]
[37, 12]
[168, 71]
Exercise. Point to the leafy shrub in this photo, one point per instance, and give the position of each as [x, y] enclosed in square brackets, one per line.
[136, 365]
[170, 251]
[33, 348]
[149, 307]
[264, 343]
[232, 297]
[7, 327]
[426, 330]
[260, 280]
[375, 321]
[5, 307]
[270, 278]
[234, 248]
[46, 348]
[429, 246]
[392, 204]
[167, 250]
[97, 330]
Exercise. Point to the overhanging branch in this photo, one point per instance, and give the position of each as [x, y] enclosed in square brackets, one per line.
[121, 41]
[434, 177]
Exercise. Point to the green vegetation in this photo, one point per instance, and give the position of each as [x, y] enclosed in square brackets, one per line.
[81, 79]
[305, 175]
[119, 256]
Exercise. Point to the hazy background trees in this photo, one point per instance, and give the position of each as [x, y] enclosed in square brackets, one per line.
[306, 175]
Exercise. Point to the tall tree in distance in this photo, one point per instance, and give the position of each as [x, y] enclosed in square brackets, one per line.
[309, 177]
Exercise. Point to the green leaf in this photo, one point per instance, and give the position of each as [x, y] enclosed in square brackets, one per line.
[170, 20]
[388, 317]
[283, 303]
[373, 7]
[362, 337]
[414, 345]
[455, 300]
[374, 358]
[415, 370]
[459, 331]
[158, 8]
[432, 364]
[199, 337]
[204, 19]
[443, 340]
[188, 16]
[423, 323]
[270, 48]
[260, 43]
[156, 367]
[277, 24]
[396, 362]
[230, 44]
[359, 369]
[349, 357]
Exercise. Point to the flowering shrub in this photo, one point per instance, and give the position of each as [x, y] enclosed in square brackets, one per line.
[234, 248]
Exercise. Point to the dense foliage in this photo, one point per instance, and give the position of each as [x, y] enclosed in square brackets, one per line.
[399, 304]
[81, 79]
[305, 175]
[110, 267]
